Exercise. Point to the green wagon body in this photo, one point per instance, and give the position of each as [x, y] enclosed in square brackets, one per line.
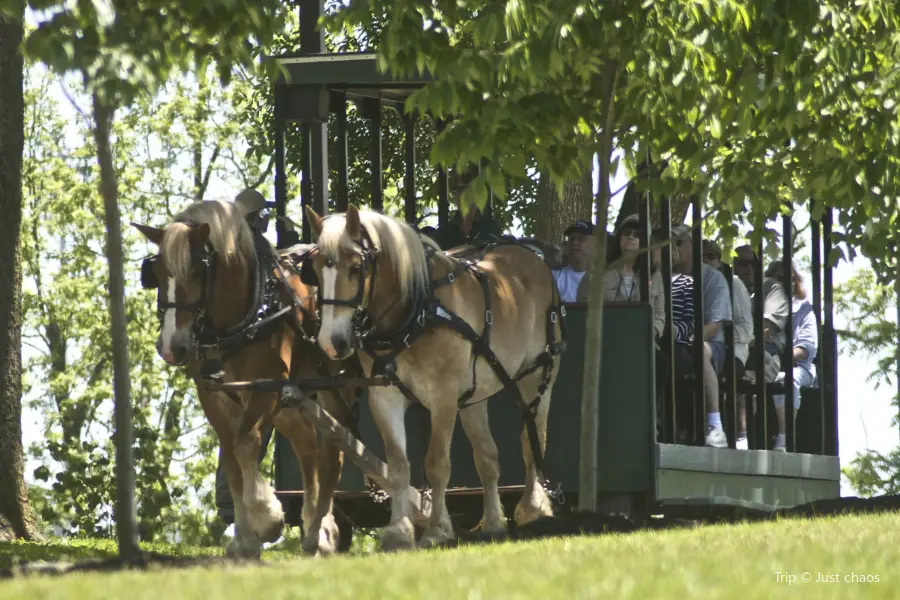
[636, 475]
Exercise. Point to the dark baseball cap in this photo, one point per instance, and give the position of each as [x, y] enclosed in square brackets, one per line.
[580, 226]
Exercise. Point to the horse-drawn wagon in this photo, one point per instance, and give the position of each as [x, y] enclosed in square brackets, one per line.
[325, 293]
[641, 470]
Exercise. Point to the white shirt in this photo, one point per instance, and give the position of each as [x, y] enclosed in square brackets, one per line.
[743, 320]
[568, 280]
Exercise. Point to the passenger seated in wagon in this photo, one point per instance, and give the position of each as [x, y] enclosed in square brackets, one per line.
[805, 345]
[742, 319]
[622, 282]
[775, 311]
[716, 311]
[579, 251]
[744, 264]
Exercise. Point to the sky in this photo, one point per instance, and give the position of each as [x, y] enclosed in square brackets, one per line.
[865, 414]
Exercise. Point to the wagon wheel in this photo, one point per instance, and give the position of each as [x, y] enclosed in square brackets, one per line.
[345, 529]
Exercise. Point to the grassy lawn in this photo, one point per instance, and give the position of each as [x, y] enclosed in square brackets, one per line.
[725, 561]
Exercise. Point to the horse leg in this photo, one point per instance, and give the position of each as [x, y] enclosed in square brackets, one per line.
[437, 469]
[265, 512]
[477, 427]
[224, 415]
[245, 543]
[327, 537]
[302, 436]
[534, 503]
[388, 406]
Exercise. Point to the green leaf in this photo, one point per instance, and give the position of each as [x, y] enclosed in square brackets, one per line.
[715, 127]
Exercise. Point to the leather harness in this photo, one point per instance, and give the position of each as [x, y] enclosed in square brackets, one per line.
[427, 313]
[263, 314]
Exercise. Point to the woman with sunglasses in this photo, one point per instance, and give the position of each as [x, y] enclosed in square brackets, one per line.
[622, 282]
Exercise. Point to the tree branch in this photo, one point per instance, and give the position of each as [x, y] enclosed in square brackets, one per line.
[209, 170]
[264, 175]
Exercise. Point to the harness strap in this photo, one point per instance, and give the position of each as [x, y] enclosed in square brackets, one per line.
[434, 313]
[480, 346]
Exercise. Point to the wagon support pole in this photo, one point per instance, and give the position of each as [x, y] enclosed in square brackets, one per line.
[314, 127]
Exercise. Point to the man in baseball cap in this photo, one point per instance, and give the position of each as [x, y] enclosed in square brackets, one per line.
[252, 204]
[580, 245]
[580, 226]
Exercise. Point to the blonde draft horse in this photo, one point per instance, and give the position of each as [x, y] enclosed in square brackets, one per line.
[374, 272]
[206, 269]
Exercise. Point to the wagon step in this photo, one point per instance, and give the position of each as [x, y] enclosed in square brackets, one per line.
[372, 466]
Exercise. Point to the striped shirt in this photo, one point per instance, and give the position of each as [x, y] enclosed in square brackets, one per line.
[683, 307]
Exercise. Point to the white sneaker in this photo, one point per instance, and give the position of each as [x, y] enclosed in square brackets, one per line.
[741, 443]
[715, 437]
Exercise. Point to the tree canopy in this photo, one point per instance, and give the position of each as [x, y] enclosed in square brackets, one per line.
[124, 48]
[748, 105]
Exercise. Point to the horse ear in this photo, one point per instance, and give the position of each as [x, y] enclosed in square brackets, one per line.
[353, 226]
[200, 234]
[315, 221]
[153, 234]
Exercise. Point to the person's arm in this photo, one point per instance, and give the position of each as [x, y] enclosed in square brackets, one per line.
[682, 314]
[806, 335]
[776, 306]
[711, 329]
[718, 300]
[658, 301]
[743, 313]
[684, 330]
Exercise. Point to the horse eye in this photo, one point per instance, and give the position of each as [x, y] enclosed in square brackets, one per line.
[355, 269]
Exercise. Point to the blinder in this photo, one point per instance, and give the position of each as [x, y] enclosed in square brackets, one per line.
[207, 260]
[149, 281]
[308, 273]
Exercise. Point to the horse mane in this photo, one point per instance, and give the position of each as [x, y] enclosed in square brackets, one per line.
[229, 234]
[402, 245]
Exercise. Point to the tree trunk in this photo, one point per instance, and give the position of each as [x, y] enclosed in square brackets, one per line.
[631, 202]
[126, 521]
[15, 514]
[897, 348]
[593, 351]
[554, 214]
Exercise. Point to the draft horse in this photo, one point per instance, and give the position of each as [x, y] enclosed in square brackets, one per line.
[413, 312]
[228, 307]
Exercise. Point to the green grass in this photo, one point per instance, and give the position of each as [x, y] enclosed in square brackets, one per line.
[724, 561]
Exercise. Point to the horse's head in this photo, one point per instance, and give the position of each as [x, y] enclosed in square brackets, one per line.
[175, 299]
[193, 274]
[367, 267]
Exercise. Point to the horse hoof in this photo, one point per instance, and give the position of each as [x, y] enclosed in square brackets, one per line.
[324, 541]
[245, 548]
[524, 516]
[497, 528]
[272, 531]
[398, 536]
[434, 538]
[267, 520]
